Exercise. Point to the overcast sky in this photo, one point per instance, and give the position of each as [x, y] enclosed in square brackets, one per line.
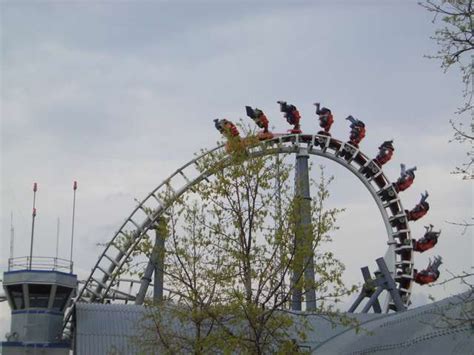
[118, 95]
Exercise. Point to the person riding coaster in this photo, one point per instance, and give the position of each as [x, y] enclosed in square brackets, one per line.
[420, 209]
[357, 131]
[430, 274]
[229, 130]
[292, 115]
[326, 119]
[261, 121]
[226, 128]
[429, 240]
[385, 153]
[407, 176]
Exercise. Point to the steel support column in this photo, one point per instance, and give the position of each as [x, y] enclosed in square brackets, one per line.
[159, 266]
[391, 286]
[154, 266]
[303, 238]
[145, 282]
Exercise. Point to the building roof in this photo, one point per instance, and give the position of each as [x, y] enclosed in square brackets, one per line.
[113, 328]
[443, 327]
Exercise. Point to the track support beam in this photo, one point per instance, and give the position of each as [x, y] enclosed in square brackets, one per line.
[154, 267]
[159, 265]
[304, 258]
[373, 287]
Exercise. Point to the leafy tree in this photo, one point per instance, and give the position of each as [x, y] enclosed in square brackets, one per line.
[455, 39]
[456, 44]
[230, 254]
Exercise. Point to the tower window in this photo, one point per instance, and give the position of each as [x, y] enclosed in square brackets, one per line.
[61, 297]
[16, 295]
[39, 295]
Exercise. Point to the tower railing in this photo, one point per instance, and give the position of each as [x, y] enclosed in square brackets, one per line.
[42, 263]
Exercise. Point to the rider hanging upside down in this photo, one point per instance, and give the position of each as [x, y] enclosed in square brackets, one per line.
[420, 209]
[292, 116]
[430, 274]
[406, 178]
[357, 131]
[326, 119]
[258, 116]
[428, 241]
[261, 120]
[385, 153]
[226, 128]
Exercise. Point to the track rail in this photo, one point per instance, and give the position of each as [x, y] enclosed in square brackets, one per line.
[104, 275]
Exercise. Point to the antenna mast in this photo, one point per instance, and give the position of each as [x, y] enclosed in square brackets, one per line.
[74, 187]
[35, 188]
[57, 238]
[12, 237]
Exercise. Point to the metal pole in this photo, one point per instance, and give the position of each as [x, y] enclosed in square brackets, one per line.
[74, 187]
[159, 267]
[12, 237]
[389, 258]
[57, 238]
[373, 299]
[303, 237]
[35, 188]
[57, 244]
[145, 281]
[278, 224]
[356, 303]
[363, 292]
[391, 286]
[154, 266]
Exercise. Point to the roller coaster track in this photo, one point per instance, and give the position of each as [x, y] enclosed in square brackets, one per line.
[102, 280]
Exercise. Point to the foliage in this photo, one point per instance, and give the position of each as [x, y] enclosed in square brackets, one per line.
[456, 44]
[230, 255]
[460, 136]
[455, 39]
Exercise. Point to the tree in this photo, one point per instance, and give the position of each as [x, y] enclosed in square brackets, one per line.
[455, 39]
[230, 253]
[456, 44]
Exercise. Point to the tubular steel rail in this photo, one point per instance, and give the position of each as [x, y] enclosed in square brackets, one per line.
[104, 274]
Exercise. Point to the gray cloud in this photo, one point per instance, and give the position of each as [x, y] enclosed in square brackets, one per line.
[119, 95]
